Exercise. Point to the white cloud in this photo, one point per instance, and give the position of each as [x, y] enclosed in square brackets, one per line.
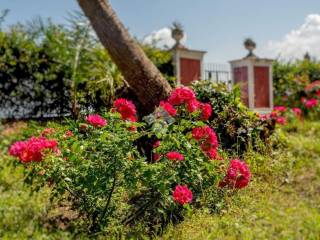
[296, 43]
[162, 38]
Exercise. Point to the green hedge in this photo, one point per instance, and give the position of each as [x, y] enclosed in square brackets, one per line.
[49, 70]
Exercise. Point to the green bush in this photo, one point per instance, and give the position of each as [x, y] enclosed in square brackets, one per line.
[104, 170]
[50, 70]
[238, 127]
[163, 61]
[53, 70]
[295, 83]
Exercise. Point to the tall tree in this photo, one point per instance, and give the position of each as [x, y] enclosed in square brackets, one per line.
[142, 75]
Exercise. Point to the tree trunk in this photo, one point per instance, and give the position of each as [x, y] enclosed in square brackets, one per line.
[142, 75]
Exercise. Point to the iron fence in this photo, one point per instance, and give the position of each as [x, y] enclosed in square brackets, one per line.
[218, 73]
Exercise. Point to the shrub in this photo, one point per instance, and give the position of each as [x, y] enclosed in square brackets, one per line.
[50, 70]
[111, 180]
[282, 115]
[163, 61]
[296, 85]
[238, 127]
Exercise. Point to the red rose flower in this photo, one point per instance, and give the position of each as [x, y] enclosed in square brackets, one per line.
[126, 108]
[17, 148]
[297, 111]
[47, 132]
[175, 156]
[68, 134]
[181, 95]
[206, 136]
[264, 116]
[212, 153]
[182, 195]
[280, 108]
[281, 120]
[208, 139]
[96, 120]
[310, 103]
[206, 111]
[274, 114]
[156, 144]
[132, 118]
[199, 133]
[193, 105]
[238, 175]
[156, 156]
[34, 148]
[168, 108]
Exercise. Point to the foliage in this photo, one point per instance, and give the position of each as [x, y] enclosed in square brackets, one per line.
[23, 66]
[22, 210]
[163, 61]
[293, 84]
[50, 70]
[238, 127]
[106, 172]
[281, 201]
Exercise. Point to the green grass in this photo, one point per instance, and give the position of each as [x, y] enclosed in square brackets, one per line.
[22, 212]
[281, 202]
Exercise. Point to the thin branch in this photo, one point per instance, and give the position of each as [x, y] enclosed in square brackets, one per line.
[109, 197]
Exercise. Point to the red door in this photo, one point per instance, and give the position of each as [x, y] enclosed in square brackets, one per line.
[261, 87]
[190, 70]
[241, 78]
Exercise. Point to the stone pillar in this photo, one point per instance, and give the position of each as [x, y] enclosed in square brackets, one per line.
[188, 64]
[254, 75]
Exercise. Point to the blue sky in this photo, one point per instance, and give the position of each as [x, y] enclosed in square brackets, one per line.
[217, 26]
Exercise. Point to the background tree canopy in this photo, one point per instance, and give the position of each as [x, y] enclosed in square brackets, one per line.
[50, 70]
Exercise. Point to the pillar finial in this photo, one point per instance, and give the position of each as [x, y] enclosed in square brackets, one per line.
[250, 45]
[177, 34]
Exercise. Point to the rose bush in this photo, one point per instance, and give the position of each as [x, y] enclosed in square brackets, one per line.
[282, 115]
[237, 127]
[103, 166]
[297, 85]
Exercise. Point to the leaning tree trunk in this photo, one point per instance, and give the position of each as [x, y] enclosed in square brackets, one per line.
[142, 75]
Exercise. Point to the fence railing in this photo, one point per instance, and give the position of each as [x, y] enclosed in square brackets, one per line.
[218, 73]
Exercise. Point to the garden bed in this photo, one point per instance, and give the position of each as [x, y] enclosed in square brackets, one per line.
[281, 201]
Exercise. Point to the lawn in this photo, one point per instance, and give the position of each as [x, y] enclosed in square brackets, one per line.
[281, 202]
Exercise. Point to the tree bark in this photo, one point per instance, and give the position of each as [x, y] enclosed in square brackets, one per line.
[142, 75]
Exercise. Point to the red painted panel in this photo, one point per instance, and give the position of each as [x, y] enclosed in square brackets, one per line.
[190, 70]
[261, 87]
[240, 75]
